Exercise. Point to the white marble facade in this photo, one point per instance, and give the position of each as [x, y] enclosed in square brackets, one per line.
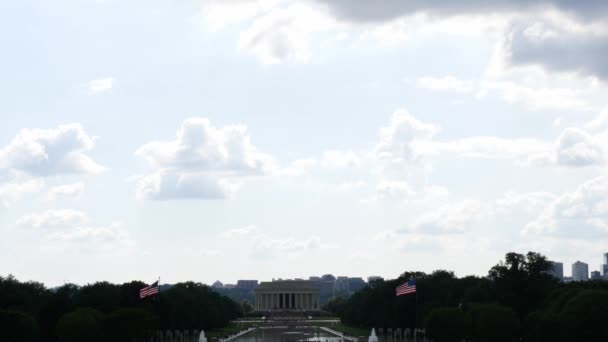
[287, 295]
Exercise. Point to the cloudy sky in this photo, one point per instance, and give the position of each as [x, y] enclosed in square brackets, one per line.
[239, 139]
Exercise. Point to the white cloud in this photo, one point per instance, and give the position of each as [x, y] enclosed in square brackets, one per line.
[53, 218]
[204, 161]
[266, 247]
[582, 213]
[73, 190]
[397, 139]
[452, 218]
[298, 167]
[283, 34]
[99, 86]
[46, 152]
[394, 190]
[13, 192]
[336, 159]
[170, 185]
[69, 229]
[113, 238]
[577, 148]
[241, 232]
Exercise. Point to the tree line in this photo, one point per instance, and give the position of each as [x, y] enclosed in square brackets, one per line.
[519, 300]
[102, 311]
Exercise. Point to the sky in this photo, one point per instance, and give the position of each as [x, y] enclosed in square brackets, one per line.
[260, 139]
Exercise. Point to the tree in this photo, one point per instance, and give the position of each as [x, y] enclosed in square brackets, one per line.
[492, 323]
[522, 281]
[446, 325]
[58, 304]
[80, 325]
[128, 324]
[587, 314]
[17, 327]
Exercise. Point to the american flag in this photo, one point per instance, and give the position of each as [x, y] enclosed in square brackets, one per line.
[407, 287]
[149, 290]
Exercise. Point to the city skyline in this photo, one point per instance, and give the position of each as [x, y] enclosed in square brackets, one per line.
[205, 139]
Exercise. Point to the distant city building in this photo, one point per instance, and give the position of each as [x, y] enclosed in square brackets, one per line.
[287, 295]
[326, 286]
[247, 284]
[580, 271]
[311, 278]
[341, 286]
[217, 285]
[567, 279]
[355, 284]
[371, 279]
[604, 267]
[328, 277]
[229, 286]
[595, 275]
[557, 269]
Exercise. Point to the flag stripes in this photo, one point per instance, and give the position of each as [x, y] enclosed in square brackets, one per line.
[406, 288]
[149, 290]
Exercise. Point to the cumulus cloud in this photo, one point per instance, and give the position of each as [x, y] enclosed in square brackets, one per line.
[112, 238]
[576, 148]
[582, 213]
[47, 152]
[265, 247]
[99, 86]
[203, 161]
[13, 192]
[69, 229]
[336, 159]
[248, 230]
[559, 49]
[366, 11]
[172, 184]
[398, 138]
[53, 218]
[73, 190]
[283, 34]
[451, 218]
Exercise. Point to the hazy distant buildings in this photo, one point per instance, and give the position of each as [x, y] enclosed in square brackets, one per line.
[595, 275]
[247, 284]
[557, 269]
[604, 267]
[580, 271]
[217, 285]
[355, 284]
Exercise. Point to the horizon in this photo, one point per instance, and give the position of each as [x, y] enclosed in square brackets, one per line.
[206, 139]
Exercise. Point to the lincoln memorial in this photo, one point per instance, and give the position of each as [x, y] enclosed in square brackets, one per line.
[287, 295]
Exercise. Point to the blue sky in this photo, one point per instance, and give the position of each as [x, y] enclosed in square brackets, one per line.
[204, 140]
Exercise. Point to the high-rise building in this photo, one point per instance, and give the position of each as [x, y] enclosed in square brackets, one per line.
[604, 267]
[595, 275]
[605, 258]
[372, 279]
[580, 271]
[247, 284]
[557, 269]
[355, 284]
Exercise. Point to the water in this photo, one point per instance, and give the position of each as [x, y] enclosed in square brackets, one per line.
[311, 334]
[288, 335]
